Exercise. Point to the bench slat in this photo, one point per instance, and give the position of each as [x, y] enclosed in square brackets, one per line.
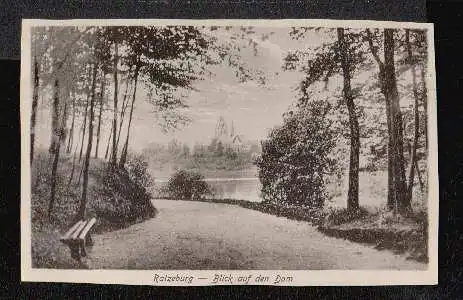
[87, 228]
[78, 230]
[71, 231]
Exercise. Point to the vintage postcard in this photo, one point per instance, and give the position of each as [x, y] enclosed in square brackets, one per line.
[228, 152]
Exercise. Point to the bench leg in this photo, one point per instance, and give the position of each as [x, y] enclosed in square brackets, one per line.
[75, 253]
[88, 240]
[83, 253]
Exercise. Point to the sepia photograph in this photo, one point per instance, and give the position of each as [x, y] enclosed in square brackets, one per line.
[181, 152]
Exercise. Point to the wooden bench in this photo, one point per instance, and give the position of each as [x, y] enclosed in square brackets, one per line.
[78, 237]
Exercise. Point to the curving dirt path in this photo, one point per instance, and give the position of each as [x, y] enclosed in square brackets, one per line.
[198, 235]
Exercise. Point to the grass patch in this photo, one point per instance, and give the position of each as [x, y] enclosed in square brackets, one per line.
[403, 235]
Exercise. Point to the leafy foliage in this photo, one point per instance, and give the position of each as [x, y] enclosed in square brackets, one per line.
[137, 167]
[188, 185]
[295, 158]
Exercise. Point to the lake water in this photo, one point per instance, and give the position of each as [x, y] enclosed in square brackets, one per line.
[232, 188]
[236, 188]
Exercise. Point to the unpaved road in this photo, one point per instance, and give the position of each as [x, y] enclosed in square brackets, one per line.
[198, 235]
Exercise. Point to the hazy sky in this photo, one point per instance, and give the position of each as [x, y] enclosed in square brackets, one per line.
[253, 108]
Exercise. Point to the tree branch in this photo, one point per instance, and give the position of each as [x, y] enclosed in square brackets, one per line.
[372, 48]
[67, 53]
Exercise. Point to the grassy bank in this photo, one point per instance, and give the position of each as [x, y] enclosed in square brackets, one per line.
[114, 198]
[406, 235]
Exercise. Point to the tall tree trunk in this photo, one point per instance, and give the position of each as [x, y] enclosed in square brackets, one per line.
[35, 100]
[83, 202]
[353, 192]
[71, 131]
[73, 167]
[417, 169]
[109, 142]
[126, 144]
[56, 152]
[55, 120]
[413, 159]
[84, 128]
[82, 144]
[114, 150]
[425, 104]
[392, 99]
[123, 109]
[89, 95]
[418, 172]
[391, 200]
[80, 174]
[98, 131]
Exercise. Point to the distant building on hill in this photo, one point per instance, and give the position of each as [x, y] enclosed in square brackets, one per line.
[229, 137]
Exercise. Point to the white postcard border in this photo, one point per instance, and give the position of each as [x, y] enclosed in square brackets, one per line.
[300, 278]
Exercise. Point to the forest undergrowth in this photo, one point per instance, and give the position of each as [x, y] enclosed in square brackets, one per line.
[116, 199]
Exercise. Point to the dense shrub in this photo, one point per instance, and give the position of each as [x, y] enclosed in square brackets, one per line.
[137, 168]
[188, 185]
[124, 200]
[295, 157]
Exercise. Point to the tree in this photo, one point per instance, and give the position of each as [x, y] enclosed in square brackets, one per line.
[61, 53]
[123, 109]
[411, 176]
[167, 59]
[114, 149]
[35, 99]
[71, 132]
[56, 152]
[188, 185]
[212, 145]
[230, 153]
[84, 125]
[353, 192]
[397, 186]
[100, 114]
[295, 158]
[126, 144]
[83, 202]
[185, 150]
[219, 150]
[341, 56]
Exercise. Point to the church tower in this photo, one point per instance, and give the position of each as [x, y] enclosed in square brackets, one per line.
[221, 128]
[232, 130]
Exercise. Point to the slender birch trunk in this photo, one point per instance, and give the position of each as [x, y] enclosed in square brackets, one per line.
[98, 131]
[83, 202]
[35, 99]
[125, 149]
[123, 110]
[114, 150]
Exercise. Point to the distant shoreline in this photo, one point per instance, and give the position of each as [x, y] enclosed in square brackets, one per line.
[165, 179]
